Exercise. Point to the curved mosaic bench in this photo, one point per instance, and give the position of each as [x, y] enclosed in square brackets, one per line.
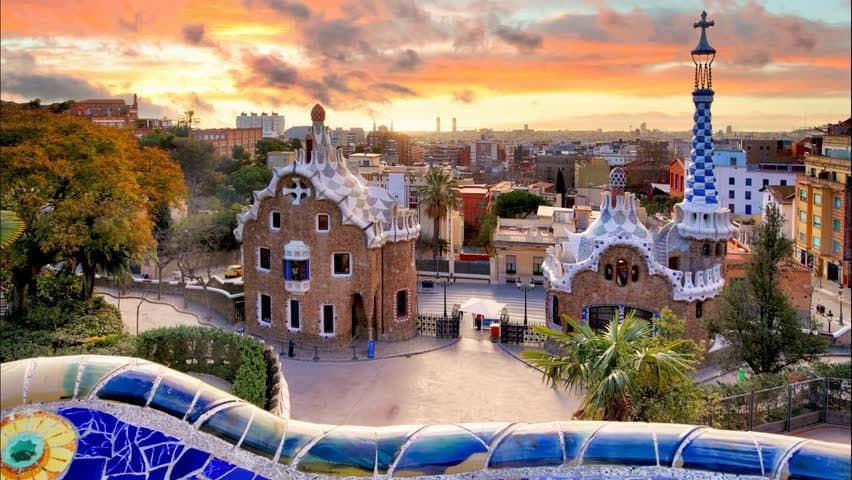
[117, 418]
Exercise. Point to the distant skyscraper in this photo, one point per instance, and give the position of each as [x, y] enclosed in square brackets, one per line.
[454, 124]
[526, 127]
[438, 124]
[272, 125]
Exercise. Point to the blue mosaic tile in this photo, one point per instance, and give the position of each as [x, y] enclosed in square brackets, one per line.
[85, 468]
[158, 473]
[486, 431]
[389, 442]
[529, 445]
[819, 461]
[264, 435]
[298, 435]
[722, 451]
[126, 458]
[773, 448]
[190, 462]
[574, 435]
[669, 439]
[131, 386]
[207, 399]
[622, 444]
[97, 367]
[346, 451]
[229, 424]
[440, 450]
[174, 394]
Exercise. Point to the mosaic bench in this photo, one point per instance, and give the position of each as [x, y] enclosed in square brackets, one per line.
[118, 418]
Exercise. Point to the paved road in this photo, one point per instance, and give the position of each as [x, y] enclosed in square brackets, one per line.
[431, 300]
[155, 314]
[470, 381]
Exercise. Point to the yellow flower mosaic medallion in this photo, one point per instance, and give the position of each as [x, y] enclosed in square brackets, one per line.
[36, 445]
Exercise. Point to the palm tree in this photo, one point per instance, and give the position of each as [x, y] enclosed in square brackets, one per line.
[11, 227]
[438, 194]
[611, 367]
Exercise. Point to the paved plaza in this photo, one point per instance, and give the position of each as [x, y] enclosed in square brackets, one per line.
[472, 380]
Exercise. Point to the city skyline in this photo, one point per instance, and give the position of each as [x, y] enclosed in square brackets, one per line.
[580, 66]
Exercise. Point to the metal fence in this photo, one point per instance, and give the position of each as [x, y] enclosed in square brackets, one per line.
[520, 334]
[437, 326]
[788, 407]
[432, 265]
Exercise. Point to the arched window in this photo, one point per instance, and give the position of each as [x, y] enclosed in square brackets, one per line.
[608, 272]
[621, 273]
[719, 249]
[706, 249]
[699, 309]
[554, 308]
[634, 273]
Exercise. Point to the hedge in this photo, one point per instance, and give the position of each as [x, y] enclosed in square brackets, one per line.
[233, 357]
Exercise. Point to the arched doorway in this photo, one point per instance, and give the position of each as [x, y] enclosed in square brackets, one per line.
[359, 315]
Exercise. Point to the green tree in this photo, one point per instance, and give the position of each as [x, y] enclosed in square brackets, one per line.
[197, 158]
[517, 203]
[754, 316]
[266, 145]
[486, 230]
[240, 154]
[438, 195]
[245, 181]
[86, 194]
[612, 368]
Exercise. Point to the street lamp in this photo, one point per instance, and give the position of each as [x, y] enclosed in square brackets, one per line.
[525, 288]
[444, 285]
[830, 318]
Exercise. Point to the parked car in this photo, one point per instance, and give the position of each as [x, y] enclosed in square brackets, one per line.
[234, 271]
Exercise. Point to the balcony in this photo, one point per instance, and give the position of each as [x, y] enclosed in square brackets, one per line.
[295, 286]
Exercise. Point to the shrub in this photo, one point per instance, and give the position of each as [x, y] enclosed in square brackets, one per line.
[235, 358]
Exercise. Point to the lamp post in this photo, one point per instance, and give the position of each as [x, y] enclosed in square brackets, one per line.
[444, 285]
[830, 318]
[525, 288]
[841, 305]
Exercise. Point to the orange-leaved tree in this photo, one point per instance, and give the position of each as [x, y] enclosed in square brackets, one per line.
[86, 193]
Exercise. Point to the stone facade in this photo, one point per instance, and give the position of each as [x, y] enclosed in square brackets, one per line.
[307, 210]
[650, 292]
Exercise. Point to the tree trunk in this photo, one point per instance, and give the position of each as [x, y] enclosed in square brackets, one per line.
[436, 245]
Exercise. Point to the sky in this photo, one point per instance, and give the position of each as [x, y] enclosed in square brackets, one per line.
[568, 64]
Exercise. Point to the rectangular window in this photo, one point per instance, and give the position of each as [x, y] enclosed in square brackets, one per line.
[803, 195]
[341, 264]
[836, 202]
[275, 220]
[817, 243]
[783, 183]
[803, 217]
[731, 207]
[817, 221]
[835, 247]
[264, 259]
[732, 181]
[264, 312]
[511, 266]
[731, 194]
[328, 319]
[296, 270]
[748, 210]
[537, 261]
[733, 161]
[802, 237]
[323, 222]
[748, 195]
[402, 303]
[765, 182]
[817, 199]
[295, 315]
[748, 182]
[836, 224]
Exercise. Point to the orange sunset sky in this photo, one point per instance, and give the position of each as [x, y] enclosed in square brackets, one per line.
[498, 64]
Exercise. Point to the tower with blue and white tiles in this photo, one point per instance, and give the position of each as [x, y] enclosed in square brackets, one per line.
[699, 216]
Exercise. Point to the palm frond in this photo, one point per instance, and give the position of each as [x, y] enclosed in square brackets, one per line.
[11, 227]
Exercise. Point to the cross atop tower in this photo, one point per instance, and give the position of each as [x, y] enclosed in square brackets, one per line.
[704, 24]
[703, 44]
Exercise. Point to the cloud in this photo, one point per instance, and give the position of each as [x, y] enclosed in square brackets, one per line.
[523, 41]
[470, 35]
[407, 61]
[193, 33]
[289, 9]
[341, 40]
[271, 71]
[408, 10]
[464, 96]
[131, 25]
[336, 82]
[50, 88]
[395, 88]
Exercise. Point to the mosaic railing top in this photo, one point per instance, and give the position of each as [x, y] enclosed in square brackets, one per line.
[117, 418]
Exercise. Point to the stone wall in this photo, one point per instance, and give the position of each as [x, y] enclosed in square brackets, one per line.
[650, 292]
[370, 268]
[224, 304]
